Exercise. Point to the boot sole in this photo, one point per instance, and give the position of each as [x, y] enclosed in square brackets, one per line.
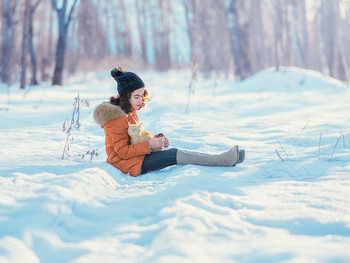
[241, 156]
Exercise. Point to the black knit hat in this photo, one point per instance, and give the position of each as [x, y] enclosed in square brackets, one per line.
[127, 81]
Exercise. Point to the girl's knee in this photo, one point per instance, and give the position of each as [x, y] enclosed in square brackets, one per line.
[172, 151]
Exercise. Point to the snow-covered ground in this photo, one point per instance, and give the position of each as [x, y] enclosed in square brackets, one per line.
[289, 201]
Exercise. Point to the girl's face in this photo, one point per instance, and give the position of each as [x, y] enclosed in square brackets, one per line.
[136, 99]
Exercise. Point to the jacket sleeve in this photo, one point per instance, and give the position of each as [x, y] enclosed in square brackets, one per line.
[118, 130]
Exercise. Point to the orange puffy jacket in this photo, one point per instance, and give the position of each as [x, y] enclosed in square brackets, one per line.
[120, 153]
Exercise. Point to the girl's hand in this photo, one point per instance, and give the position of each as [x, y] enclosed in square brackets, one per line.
[166, 142]
[155, 143]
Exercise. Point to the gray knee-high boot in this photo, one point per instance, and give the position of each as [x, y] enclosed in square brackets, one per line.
[228, 158]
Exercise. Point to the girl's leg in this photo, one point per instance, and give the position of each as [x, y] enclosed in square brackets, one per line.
[158, 160]
[229, 158]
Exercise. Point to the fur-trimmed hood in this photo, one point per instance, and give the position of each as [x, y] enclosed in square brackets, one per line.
[106, 112]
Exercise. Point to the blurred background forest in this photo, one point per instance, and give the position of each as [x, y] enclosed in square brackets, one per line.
[45, 40]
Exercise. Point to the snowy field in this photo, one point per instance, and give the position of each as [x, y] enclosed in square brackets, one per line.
[289, 201]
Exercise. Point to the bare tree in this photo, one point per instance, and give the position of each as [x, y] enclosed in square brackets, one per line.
[332, 50]
[199, 26]
[239, 42]
[287, 46]
[299, 52]
[142, 28]
[33, 80]
[257, 36]
[154, 30]
[91, 34]
[7, 38]
[45, 45]
[209, 36]
[163, 31]
[344, 40]
[127, 48]
[315, 54]
[122, 29]
[25, 38]
[27, 43]
[329, 12]
[217, 42]
[278, 33]
[63, 24]
[191, 17]
[304, 33]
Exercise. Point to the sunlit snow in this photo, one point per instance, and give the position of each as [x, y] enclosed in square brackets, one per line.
[288, 202]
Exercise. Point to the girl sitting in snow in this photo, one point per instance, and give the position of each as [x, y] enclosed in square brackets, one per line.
[115, 117]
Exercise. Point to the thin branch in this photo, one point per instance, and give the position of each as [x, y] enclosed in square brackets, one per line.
[300, 133]
[341, 135]
[282, 147]
[319, 142]
[194, 68]
[72, 121]
[279, 156]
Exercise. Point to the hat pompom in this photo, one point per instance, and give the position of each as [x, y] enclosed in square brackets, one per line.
[116, 72]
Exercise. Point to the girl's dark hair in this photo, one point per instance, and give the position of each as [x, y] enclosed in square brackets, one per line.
[123, 101]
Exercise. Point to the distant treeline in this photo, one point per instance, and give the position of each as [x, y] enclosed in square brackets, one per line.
[43, 39]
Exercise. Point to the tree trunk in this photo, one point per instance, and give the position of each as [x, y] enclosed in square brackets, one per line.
[141, 24]
[305, 42]
[277, 33]
[47, 58]
[206, 21]
[60, 52]
[33, 80]
[296, 43]
[90, 33]
[154, 14]
[63, 24]
[189, 15]
[7, 39]
[204, 27]
[343, 70]
[329, 33]
[127, 48]
[239, 42]
[163, 60]
[25, 37]
[256, 29]
[286, 37]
